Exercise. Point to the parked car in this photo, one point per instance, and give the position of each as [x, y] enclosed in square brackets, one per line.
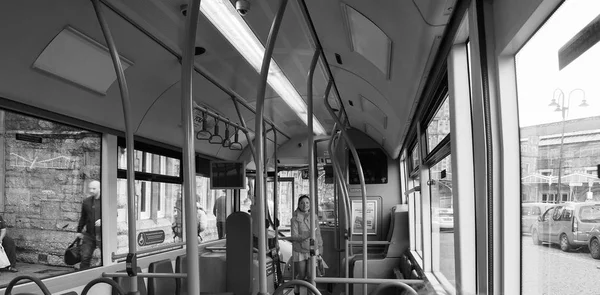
[530, 212]
[443, 218]
[567, 224]
[594, 243]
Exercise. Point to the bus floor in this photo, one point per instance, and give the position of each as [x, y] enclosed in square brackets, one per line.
[40, 271]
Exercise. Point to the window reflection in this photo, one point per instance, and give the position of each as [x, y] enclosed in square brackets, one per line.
[439, 126]
[158, 207]
[416, 204]
[442, 219]
[214, 206]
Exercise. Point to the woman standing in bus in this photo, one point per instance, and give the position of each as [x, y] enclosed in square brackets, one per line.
[301, 238]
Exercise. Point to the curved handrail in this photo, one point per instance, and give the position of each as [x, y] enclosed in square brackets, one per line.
[288, 284]
[37, 281]
[243, 122]
[111, 282]
[189, 152]
[126, 103]
[312, 177]
[392, 284]
[363, 187]
[259, 157]
[346, 200]
[338, 174]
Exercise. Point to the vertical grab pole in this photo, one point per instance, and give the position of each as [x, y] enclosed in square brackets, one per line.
[311, 167]
[338, 176]
[259, 158]
[189, 180]
[131, 219]
[275, 186]
[363, 188]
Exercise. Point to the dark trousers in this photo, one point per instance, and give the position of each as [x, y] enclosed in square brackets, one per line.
[87, 250]
[221, 229]
[11, 250]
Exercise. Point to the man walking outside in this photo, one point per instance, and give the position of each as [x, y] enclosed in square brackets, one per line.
[91, 220]
[220, 211]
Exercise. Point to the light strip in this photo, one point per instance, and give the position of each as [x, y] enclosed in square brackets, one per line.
[226, 19]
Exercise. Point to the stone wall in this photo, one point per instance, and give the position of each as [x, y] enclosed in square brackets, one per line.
[45, 184]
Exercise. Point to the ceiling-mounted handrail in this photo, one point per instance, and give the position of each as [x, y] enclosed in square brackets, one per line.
[315, 37]
[219, 117]
[363, 187]
[212, 79]
[259, 158]
[126, 103]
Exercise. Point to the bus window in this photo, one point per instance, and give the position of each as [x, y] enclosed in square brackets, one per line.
[557, 90]
[442, 219]
[45, 175]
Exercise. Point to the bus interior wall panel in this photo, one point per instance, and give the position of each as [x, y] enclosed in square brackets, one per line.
[389, 192]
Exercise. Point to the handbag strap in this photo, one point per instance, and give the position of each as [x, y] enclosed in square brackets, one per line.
[77, 240]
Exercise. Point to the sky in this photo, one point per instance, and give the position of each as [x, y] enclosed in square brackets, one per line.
[538, 75]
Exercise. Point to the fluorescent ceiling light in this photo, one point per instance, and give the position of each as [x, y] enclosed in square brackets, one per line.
[227, 20]
[79, 59]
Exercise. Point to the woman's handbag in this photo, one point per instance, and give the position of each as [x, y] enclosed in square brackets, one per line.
[321, 266]
[73, 253]
[4, 262]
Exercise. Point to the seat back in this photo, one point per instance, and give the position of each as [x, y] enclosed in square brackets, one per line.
[239, 253]
[161, 286]
[124, 283]
[390, 229]
[181, 267]
[398, 233]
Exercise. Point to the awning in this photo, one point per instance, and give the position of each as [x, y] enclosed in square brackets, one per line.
[537, 179]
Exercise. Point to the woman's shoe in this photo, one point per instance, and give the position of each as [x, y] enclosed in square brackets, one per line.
[12, 269]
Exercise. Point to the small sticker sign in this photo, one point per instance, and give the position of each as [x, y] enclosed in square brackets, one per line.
[28, 138]
[151, 237]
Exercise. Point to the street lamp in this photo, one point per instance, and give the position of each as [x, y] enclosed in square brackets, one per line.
[563, 106]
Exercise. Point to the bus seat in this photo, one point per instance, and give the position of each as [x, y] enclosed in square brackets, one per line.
[124, 282]
[181, 267]
[381, 265]
[161, 286]
[239, 253]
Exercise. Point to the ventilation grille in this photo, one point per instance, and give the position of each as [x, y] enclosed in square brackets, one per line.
[369, 40]
[79, 59]
[374, 111]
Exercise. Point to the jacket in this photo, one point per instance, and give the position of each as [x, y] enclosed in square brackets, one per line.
[90, 212]
[301, 228]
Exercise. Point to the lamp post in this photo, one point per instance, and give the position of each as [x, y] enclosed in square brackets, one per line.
[563, 106]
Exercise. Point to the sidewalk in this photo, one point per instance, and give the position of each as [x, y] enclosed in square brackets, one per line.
[40, 271]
